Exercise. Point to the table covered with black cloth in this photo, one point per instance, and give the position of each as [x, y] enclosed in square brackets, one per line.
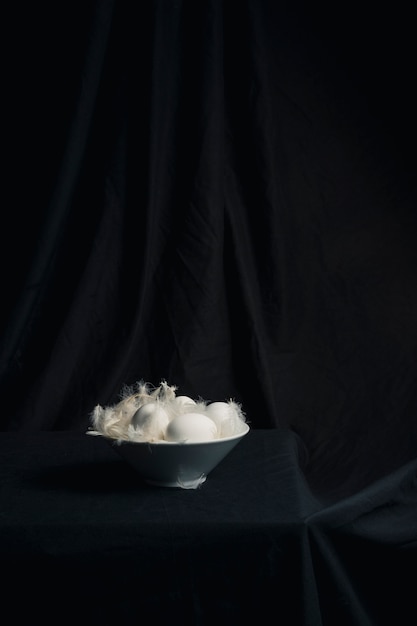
[84, 541]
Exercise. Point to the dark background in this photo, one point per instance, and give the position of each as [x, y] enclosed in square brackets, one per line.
[221, 195]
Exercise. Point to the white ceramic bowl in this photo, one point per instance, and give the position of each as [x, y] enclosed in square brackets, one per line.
[172, 464]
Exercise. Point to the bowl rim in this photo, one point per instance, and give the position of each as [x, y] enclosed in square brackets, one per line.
[178, 444]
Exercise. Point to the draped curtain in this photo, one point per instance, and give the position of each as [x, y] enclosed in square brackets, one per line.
[222, 195]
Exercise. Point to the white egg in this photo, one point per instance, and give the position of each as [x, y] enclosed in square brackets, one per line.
[152, 420]
[191, 427]
[219, 411]
[184, 401]
[225, 418]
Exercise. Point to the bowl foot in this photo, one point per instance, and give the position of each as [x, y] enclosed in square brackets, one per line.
[179, 484]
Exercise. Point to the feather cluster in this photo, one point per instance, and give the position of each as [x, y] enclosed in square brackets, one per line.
[148, 413]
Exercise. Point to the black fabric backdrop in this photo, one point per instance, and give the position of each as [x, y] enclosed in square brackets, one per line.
[222, 195]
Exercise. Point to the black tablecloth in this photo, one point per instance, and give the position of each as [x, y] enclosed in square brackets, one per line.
[83, 540]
